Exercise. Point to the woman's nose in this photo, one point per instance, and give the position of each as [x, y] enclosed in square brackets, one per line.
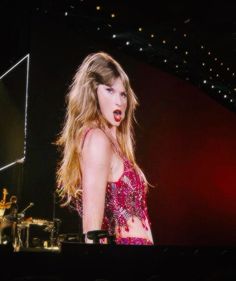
[118, 99]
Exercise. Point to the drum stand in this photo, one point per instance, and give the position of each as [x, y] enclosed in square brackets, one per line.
[0, 236]
[17, 239]
[53, 229]
[52, 239]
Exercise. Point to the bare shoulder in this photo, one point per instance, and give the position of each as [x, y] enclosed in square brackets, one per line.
[96, 142]
[97, 137]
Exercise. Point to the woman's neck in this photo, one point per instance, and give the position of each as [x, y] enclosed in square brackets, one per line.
[113, 132]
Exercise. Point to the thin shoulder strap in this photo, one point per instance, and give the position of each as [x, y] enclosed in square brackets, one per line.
[84, 136]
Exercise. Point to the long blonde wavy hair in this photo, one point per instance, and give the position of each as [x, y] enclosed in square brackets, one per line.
[83, 112]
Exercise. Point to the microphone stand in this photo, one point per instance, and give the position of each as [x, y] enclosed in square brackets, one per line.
[56, 224]
[31, 204]
[18, 161]
[20, 216]
[53, 230]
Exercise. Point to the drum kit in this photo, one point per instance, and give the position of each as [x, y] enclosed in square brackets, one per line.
[19, 226]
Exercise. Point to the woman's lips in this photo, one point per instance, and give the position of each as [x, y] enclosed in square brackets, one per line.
[117, 115]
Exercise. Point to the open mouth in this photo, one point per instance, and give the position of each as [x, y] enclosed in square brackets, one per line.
[117, 115]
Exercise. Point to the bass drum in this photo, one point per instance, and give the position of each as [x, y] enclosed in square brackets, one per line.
[35, 232]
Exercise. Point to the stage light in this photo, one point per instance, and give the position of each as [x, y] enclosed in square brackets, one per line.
[204, 81]
[225, 96]
[187, 21]
[148, 46]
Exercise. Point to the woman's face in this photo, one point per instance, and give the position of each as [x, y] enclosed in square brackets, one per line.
[113, 102]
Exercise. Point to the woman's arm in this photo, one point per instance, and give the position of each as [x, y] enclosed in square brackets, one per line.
[96, 163]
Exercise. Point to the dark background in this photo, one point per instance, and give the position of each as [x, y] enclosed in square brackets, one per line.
[186, 129]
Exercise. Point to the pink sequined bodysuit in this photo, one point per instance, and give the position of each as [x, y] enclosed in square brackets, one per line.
[125, 199]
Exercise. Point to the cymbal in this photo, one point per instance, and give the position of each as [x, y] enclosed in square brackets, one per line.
[36, 221]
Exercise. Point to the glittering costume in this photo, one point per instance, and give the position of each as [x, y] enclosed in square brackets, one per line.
[125, 199]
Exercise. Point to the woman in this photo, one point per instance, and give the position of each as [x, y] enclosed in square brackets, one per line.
[98, 173]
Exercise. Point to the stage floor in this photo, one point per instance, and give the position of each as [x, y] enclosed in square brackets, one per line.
[112, 262]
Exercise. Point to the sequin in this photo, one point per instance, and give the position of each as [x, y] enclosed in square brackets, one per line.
[133, 241]
[125, 199]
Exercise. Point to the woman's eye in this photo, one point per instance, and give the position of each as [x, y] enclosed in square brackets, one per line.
[124, 95]
[109, 90]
